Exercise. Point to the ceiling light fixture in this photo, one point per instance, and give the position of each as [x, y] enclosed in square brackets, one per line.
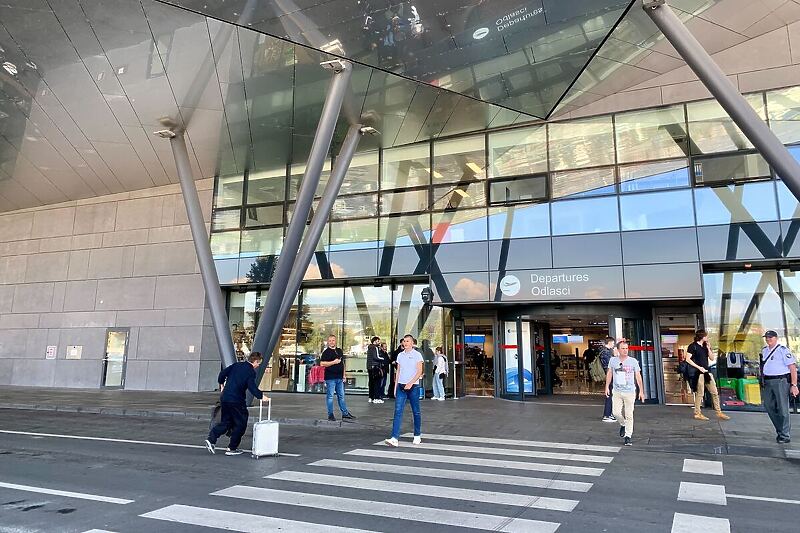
[475, 168]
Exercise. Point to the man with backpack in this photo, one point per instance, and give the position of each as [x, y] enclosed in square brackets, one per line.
[606, 353]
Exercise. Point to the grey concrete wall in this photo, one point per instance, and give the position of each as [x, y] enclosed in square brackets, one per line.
[70, 271]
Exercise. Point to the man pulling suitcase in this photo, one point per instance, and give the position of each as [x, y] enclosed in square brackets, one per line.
[235, 381]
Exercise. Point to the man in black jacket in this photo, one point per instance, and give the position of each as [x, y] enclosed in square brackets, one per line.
[234, 381]
[606, 353]
[375, 365]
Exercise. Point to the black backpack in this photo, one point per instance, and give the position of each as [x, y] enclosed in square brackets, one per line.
[684, 370]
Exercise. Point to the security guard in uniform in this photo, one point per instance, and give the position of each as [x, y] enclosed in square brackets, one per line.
[779, 368]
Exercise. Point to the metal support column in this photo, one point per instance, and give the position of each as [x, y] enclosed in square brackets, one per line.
[202, 247]
[315, 231]
[339, 86]
[753, 127]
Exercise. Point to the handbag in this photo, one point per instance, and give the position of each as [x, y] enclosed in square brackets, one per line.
[442, 376]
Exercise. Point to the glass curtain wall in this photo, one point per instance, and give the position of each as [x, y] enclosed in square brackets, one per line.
[354, 314]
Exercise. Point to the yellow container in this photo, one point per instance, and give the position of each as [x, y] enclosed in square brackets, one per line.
[752, 393]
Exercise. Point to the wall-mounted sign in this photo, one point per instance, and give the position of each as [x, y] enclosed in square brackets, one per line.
[74, 352]
[50, 352]
[597, 283]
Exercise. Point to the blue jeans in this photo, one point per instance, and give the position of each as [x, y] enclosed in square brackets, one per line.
[337, 385]
[438, 387]
[400, 403]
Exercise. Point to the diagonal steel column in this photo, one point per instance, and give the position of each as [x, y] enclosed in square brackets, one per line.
[202, 247]
[305, 196]
[315, 231]
[755, 129]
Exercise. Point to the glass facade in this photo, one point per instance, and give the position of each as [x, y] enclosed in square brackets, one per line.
[603, 202]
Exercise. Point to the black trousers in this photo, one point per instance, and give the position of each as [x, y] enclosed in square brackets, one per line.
[375, 378]
[234, 417]
[392, 384]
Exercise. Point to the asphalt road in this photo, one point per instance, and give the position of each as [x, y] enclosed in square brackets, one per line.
[551, 476]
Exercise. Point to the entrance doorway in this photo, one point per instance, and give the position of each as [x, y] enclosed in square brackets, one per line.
[115, 357]
[479, 356]
[675, 333]
[574, 343]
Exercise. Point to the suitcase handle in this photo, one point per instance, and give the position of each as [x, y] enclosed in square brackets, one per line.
[261, 407]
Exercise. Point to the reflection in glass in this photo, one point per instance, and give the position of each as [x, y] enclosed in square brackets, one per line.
[589, 182]
[404, 202]
[266, 186]
[747, 202]
[404, 230]
[581, 143]
[730, 168]
[518, 152]
[363, 205]
[296, 172]
[227, 219]
[791, 304]
[651, 134]
[413, 317]
[362, 174]
[264, 216]
[590, 215]
[459, 196]
[367, 313]
[739, 307]
[354, 234]
[407, 166]
[517, 222]
[320, 316]
[518, 190]
[459, 226]
[787, 203]
[784, 114]
[712, 130]
[671, 209]
[229, 191]
[266, 241]
[462, 159]
[657, 175]
[225, 244]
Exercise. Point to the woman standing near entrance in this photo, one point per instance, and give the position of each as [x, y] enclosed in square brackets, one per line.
[439, 374]
[698, 357]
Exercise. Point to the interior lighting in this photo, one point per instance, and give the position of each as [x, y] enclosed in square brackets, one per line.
[475, 168]
[748, 265]
[462, 192]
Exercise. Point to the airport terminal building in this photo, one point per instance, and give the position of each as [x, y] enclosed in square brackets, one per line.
[511, 180]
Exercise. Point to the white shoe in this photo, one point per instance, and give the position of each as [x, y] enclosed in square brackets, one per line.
[417, 439]
[370, 400]
[440, 399]
[392, 442]
[378, 401]
[210, 447]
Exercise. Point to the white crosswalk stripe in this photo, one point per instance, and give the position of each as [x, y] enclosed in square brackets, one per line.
[441, 473]
[415, 474]
[501, 498]
[506, 451]
[390, 510]
[475, 461]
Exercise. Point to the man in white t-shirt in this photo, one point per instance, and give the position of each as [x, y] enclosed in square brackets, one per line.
[626, 374]
[409, 370]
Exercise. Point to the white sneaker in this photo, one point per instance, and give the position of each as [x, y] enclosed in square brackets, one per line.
[370, 400]
[392, 442]
[377, 401]
[210, 447]
[417, 439]
[441, 399]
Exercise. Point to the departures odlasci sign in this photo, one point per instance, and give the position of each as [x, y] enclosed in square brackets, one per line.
[599, 283]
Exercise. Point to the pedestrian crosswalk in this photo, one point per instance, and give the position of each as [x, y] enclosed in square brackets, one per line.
[455, 482]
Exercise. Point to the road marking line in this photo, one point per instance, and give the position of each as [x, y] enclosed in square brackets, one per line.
[702, 493]
[689, 523]
[126, 441]
[474, 461]
[441, 473]
[695, 466]
[763, 499]
[98, 531]
[65, 493]
[529, 443]
[507, 452]
[242, 522]
[390, 510]
[453, 493]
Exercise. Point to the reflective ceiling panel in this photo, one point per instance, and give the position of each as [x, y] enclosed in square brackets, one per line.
[520, 54]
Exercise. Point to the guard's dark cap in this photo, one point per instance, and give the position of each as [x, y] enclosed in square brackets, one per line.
[770, 333]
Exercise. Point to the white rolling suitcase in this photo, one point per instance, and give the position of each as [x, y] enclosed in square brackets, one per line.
[265, 433]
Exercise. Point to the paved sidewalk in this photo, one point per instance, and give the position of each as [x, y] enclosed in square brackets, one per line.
[658, 427]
